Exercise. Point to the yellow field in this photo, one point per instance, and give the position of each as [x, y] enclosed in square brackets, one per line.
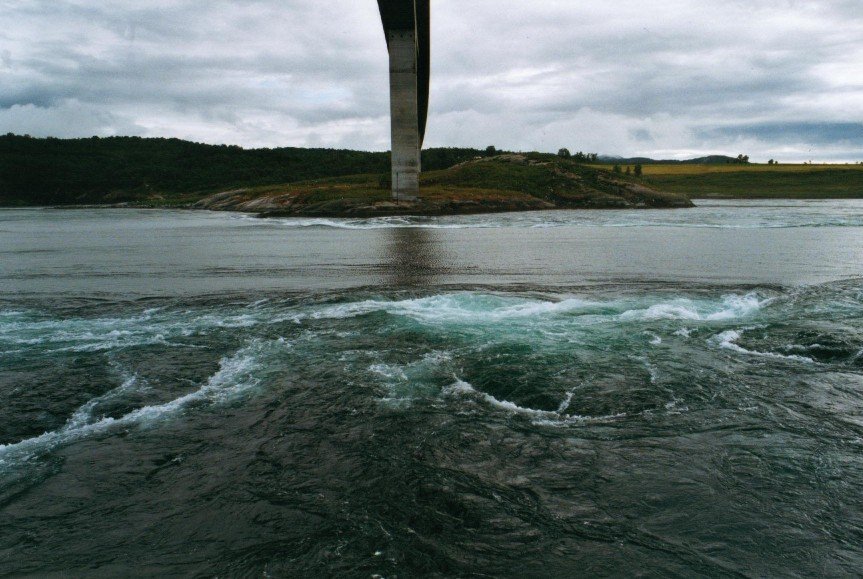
[675, 169]
[789, 181]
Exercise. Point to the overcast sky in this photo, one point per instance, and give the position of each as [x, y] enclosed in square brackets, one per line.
[670, 79]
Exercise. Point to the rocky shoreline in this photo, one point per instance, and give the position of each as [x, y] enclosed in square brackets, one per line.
[504, 183]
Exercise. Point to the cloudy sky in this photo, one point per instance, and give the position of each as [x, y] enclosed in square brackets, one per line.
[670, 79]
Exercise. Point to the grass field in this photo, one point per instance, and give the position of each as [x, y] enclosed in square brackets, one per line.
[758, 181]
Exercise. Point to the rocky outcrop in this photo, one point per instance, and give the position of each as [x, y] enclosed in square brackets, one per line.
[512, 182]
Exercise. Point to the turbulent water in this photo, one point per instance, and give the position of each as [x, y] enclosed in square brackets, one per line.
[660, 393]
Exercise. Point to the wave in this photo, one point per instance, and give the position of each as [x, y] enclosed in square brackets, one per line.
[392, 223]
[373, 223]
[155, 326]
[730, 307]
[728, 341]
[405, 382]
[709, 215]
[11, 314]
[558, 417]
[235, 376]
[84, 415]
[553, 318]
[459, 307]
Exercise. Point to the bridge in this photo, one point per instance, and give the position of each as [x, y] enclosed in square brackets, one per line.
[407, 26]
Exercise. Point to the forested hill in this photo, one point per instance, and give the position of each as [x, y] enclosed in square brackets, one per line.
[97, 170]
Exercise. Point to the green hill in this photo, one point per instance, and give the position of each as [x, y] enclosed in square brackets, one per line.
[509, 182]
[172, 172]
[110, 170]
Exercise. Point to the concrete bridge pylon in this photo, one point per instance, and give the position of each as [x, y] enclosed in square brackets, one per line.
[407, 26]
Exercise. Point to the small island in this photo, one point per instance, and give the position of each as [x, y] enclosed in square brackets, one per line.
[507, 182]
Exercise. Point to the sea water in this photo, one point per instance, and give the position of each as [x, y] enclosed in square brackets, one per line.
[568, 393]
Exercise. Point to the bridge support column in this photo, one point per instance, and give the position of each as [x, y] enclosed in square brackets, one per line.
[404, 111]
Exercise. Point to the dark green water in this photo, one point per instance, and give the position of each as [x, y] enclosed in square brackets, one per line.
[568, 394]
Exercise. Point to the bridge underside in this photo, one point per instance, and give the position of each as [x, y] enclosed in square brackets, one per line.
[407, 26]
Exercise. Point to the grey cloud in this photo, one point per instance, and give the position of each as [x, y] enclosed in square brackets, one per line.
[806, 133]
[69, 120]
[641, 135]
[620, 77]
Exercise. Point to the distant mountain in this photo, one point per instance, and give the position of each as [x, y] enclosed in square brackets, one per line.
[709, 160]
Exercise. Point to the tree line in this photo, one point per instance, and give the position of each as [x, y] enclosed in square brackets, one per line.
[579, 157]
[57, 171]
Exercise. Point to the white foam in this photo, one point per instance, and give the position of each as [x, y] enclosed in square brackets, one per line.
[478, 308]
[565, 403]
[406, 382]
[114, 342]
[463, 389]
[84, 415]
[458, 308]
[81, 335]
[728, 340]
[736, 306]
[802, 348]
[388, 371]
[669, 311]
[152, 327]
[459, 387]
[235, 376]
[715, 218]
[374, 223]
[731, 307]
[10, 314]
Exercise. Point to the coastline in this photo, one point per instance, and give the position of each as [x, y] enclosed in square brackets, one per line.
[502, 183]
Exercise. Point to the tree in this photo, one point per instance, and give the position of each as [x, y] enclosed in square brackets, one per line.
[638, 170]
[490, 151]
[616, 169]
[564, 153]
[628, 170]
